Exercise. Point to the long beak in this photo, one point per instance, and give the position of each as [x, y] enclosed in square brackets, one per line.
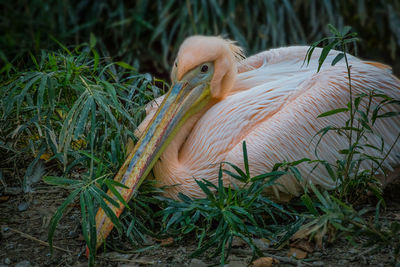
[181, 102]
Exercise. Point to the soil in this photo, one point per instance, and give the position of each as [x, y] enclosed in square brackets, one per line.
[24, 219]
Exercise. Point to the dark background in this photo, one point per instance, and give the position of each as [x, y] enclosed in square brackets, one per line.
[147, 34]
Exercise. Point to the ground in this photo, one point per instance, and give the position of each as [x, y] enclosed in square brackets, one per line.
[24, 219]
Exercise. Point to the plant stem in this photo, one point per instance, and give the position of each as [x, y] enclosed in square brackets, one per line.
[387, 154]
[350, 155]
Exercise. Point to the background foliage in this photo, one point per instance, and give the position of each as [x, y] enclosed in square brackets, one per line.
[147, 34]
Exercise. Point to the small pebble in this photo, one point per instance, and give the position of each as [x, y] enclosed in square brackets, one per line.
[7, 261]
[182, 250]
[318, 263]
[24, 263]
[23, 206]
[235, 264]
[13, 190]
[353, 251]
[317, 254]
[197, 263]
[261, 243]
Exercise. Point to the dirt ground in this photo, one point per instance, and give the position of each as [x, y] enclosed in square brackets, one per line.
[24, 222]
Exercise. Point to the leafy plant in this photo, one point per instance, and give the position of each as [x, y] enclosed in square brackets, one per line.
[72, 101]
[362, 116]
[91, 196]
[148, 34]
[228, 212]
[330, 214]
[141, 220]
[78, 111]
[327, 215]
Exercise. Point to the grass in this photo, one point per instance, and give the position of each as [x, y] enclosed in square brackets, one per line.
[140, 32]
[230, 212]
[76, 110]
[362, 115]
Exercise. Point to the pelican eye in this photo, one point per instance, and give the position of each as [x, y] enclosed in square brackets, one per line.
[204, 68]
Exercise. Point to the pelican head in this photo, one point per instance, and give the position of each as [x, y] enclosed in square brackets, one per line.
[204, 72]
[198, 53]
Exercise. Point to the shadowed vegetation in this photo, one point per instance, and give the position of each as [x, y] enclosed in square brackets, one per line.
[147, 34]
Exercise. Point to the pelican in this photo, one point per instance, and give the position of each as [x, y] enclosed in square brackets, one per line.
[219, 99]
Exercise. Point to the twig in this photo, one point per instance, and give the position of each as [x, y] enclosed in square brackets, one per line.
[280, 258]
[365, 252]
[37, 240]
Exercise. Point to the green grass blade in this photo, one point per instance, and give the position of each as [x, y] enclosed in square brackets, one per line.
[57, 216]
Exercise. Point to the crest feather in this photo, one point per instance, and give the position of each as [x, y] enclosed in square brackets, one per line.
[237, 51]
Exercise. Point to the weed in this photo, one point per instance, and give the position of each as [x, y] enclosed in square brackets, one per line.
[228, 212]
[328, 213]
[78, 111]
[147, 34]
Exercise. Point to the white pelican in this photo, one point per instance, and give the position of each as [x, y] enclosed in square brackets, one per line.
[270, 100]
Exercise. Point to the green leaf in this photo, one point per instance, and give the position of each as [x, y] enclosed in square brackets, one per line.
[110, 88]
[57, 216]
[107, 210]
[221, 191]
[311, 50]
[346, 30]
[93, 40]
[337, 59]
[309, 204]
[238, 170]
[319, 196]
[207, 191]
[42, 86]
[325, 52]
[92, 225]
[245, 160]
[61, 45]
[333, 30]
[184, 197]
[83, 116]
[175, 217]
[34, 61]
[117, 194]
[60, 181]
[116, 183]
[84, 223]
[267, 175]
[125, 65]
[99, 192]
[328, 167]
[296, 173]
[332, 112]
[388, 114]
[96, 59]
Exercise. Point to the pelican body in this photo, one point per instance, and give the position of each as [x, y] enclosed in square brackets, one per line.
[270, 100]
